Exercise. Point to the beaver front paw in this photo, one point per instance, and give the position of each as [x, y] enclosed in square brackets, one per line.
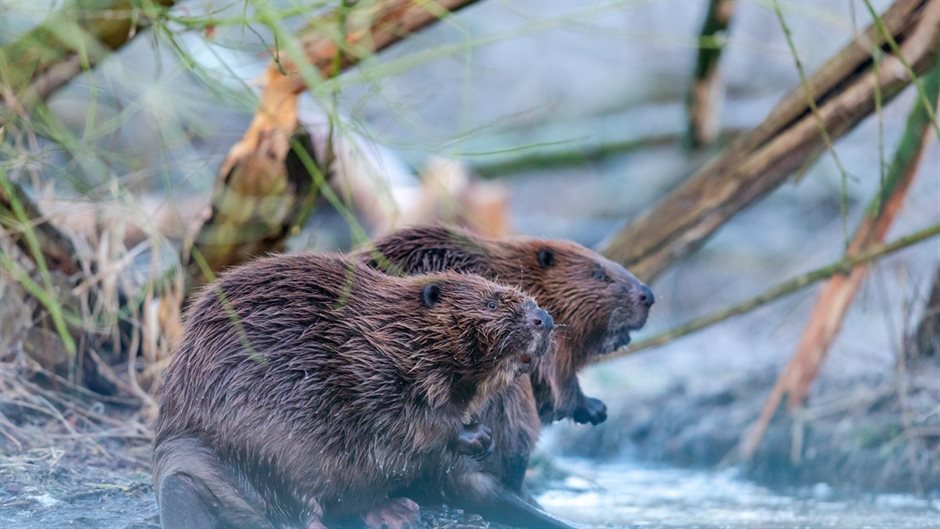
[591, 410]
[474, 440]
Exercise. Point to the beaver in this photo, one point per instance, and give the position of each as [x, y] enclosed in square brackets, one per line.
[596, 304]
[307, 387]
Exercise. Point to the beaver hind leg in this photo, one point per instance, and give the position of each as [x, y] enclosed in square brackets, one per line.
[182, 505]
[196, 490]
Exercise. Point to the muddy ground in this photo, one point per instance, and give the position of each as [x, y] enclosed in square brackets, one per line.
[42, 489]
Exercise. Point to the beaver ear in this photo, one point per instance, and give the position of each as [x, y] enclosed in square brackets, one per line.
[546, 257]
[430, 295]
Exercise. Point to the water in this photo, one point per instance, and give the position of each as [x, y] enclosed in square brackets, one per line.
[629, 495]
[596, 494]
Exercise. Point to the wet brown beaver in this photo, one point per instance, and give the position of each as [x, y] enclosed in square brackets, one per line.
[595, 302]
[308, 387]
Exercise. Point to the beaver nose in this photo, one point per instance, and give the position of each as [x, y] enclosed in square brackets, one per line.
[646, 296]
[542, 320]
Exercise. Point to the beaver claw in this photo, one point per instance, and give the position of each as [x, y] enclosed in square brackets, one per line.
[591, 410]
[474, 440]
[398, 513]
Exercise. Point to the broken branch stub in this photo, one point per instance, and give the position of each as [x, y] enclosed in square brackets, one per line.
[705, 93]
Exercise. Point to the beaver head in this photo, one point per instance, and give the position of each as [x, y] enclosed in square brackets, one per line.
[489, 333]
[596, 302]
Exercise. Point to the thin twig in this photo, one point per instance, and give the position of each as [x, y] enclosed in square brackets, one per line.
[811, 102]
[843, 266]
[578, 156]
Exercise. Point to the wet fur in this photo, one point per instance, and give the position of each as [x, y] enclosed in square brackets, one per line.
[311, 386]
[593, 301]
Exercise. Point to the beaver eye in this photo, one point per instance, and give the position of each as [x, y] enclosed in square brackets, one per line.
[491, 304]
[546, 258]
[600, 275]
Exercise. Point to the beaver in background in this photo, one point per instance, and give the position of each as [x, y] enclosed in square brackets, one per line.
[595, 302]
[308, 387]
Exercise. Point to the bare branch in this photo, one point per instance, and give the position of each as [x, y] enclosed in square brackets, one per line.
[842, 266]
[70, 41]
[836, 296]
[844, 93]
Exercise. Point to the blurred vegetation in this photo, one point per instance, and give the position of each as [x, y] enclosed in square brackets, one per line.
[123, 187]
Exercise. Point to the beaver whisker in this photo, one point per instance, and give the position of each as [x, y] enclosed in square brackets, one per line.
[504, 343]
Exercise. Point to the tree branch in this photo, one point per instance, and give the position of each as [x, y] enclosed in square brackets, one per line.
[842, 266]
[844, 93]
[70, 41]
[53, 248]
[837, 294]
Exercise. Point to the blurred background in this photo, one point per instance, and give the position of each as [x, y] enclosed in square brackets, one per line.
[561, 119]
